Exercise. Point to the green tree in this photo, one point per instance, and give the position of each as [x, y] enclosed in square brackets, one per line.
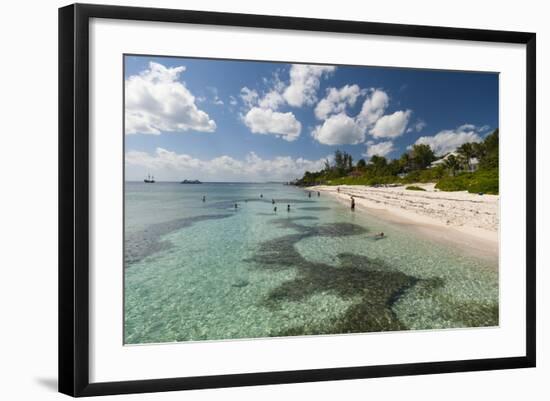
[338, 160]
[421, 156]
[489, 159]
[350, 163]
[343, 162]
[404, 162]
[394, 167]
[378, 161]
[480, 150]
[452, 164]
[467, 151]
[491, 141]
[361, 165]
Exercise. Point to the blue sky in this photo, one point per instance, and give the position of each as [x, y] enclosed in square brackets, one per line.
[220, 120]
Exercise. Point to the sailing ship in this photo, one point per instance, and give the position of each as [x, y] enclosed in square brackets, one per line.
[149, 179]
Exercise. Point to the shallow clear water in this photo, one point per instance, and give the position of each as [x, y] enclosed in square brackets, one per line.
[208, 271]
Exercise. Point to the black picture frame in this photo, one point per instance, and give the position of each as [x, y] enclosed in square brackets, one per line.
[74, 198]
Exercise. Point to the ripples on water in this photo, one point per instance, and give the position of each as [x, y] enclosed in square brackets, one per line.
[208, 271]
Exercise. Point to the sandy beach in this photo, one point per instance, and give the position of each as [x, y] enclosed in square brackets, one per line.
[467, 220]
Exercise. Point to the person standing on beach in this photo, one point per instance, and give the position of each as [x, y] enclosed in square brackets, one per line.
[288, 208]
[318, 193]
[272, 201]
[338, 189]
[352, 203]
[204, 198]
[275, 209]
[309, 194]
[236, 206]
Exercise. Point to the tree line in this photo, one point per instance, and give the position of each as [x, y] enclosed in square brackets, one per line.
[415, 165]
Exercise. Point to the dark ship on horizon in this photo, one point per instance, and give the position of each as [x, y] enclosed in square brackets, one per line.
[150, 179]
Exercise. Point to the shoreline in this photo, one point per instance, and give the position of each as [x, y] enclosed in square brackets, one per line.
[468, 221]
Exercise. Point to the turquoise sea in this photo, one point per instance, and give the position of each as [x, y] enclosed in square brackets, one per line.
[208, 270]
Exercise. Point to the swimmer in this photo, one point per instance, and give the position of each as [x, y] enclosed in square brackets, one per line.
[288, 208]
[261, 195]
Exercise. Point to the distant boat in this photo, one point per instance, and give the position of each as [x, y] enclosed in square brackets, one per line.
[190, 182]
[149, 180]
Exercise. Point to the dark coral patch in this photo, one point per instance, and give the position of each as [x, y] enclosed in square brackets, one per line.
[139, 245]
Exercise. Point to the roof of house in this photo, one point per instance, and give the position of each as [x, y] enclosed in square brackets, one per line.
[442, 160]
[473, 160]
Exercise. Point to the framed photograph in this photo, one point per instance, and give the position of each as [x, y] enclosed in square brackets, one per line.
[250, 199]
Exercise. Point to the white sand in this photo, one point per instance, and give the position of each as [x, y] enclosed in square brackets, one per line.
[468, 220]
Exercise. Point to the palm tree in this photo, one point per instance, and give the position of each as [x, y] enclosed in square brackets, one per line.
[467, 151]
[452, 163]
[327, 165]
[405, 162]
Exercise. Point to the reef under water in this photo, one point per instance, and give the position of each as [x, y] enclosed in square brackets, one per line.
[223, 272]
[146, 242]
[377, 285]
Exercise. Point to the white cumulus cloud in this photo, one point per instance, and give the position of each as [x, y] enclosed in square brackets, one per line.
[391, 125]
[156, 101]
[304, 83]
[339, 129]
[261, 113]
[171, 166]
[272, 100]
[448, 140]
[337, 100]
[267, 121]
[373, 108]
[379, 149]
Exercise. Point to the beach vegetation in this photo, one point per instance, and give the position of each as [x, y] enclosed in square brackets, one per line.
[472, 167]
[480, 181]
[414, 188]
